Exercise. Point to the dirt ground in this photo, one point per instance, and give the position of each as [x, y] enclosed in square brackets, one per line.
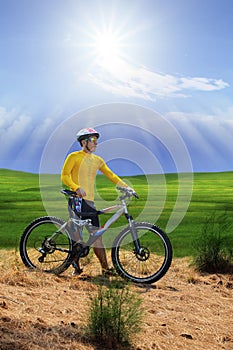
[184, 310]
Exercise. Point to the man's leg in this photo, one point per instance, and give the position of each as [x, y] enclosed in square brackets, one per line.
[98, 246]
[100, 252]
[75, 236]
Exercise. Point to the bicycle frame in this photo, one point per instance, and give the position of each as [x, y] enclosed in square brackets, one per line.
[119, 208]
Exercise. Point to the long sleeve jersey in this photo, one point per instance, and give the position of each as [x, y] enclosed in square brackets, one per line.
[80, 169]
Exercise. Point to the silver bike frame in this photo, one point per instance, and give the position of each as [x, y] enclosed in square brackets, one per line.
[119, 208]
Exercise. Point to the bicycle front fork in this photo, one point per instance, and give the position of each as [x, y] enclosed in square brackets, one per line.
[134, 236]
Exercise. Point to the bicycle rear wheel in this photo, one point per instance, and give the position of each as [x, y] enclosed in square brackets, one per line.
[153, 260]
[46, 245]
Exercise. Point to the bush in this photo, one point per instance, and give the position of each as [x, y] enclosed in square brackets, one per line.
[115, 315]
[214, 252]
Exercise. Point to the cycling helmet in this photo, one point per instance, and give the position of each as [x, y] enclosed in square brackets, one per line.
[83, 134]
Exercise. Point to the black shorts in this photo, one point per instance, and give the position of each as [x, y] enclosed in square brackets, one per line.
[77, 205]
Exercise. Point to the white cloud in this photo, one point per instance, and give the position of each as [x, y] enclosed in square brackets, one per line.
[22, 138]
[125, 79]
[7, 118]
[203, 84]
[208, 138]
[37, 139]
[14, 130]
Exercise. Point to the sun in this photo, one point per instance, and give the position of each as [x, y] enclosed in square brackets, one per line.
[107, 45]
[108, 50]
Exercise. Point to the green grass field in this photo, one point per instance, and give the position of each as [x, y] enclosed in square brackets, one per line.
[20, 203]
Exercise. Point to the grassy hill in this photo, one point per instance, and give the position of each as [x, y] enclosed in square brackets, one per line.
[21, 202]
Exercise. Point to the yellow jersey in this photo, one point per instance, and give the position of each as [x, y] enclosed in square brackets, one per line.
[80, 169]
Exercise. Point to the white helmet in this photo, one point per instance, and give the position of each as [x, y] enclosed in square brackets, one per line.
[83, 134]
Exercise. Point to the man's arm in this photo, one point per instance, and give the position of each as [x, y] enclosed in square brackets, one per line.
[66, 173]
[112, 176]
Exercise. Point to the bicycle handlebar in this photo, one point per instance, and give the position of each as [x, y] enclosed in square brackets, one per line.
[69, 193]
[128, 192]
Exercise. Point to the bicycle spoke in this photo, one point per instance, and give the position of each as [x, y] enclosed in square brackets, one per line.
[151, 262]
[46, 245]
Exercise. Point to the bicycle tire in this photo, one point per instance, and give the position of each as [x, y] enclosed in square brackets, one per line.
[157, 254]
[58, 255]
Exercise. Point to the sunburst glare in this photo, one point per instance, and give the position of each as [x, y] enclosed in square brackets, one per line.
[108, 47]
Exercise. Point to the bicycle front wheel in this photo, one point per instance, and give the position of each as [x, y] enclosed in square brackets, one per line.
[151, 262]
[46, 245]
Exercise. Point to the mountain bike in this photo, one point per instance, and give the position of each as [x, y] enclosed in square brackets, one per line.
[141, 252]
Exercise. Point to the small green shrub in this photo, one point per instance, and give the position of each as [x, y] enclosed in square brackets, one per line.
[115, 315]
[214, 251]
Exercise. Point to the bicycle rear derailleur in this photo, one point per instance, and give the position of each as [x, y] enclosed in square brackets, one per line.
[48, 247]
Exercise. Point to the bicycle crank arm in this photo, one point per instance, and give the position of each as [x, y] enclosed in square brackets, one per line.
[83, 252]
[62, 250]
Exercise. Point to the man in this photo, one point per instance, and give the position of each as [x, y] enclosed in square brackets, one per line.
[79, 174]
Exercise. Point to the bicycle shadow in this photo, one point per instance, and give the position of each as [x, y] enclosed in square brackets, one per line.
[117, 281]
[102, 280]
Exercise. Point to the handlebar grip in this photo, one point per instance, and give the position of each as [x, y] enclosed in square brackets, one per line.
[123, 189]
[135, 195]
[69, 193]
[128, 191]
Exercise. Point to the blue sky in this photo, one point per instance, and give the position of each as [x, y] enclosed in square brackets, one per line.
[60, 58]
